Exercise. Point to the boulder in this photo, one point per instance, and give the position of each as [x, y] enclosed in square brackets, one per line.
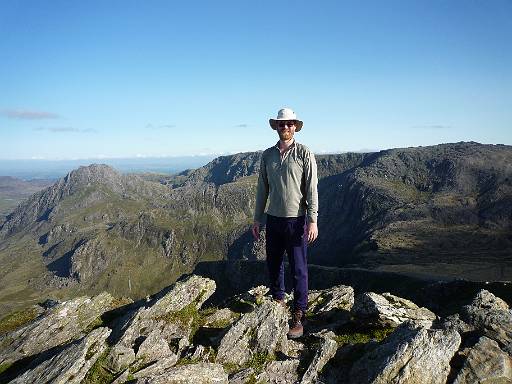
[485, 363]
[408, 355]
[389, 310]
[491, 316]
[120, 357]
[261, 331]
[201, 373]
[338, 297]
[63, 323]
[70, 365]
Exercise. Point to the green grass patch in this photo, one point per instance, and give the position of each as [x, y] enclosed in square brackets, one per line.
[99, 373]
[17, 319]
[358, 337]
[259, 360]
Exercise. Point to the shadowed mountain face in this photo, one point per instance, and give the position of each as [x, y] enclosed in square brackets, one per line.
[442, 210]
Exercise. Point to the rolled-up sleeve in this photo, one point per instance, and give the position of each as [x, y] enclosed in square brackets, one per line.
[261, 192]
[311, 179]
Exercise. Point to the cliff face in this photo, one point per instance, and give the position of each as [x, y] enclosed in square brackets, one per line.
[447, 204]
[441, 210]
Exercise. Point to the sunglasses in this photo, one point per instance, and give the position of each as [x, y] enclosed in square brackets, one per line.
[283, 124]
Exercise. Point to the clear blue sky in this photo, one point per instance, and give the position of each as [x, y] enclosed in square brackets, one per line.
[84, 79]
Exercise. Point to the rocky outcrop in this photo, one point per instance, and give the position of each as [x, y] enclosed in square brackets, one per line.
[60, 324]
[485, 363]
[72, 364]
[150, 330]
[389, 310]
[491, 316]
[409, 355]
[172, 338]
[262, 331]
[338, 297]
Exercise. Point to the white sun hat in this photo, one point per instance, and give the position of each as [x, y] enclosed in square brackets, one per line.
[286, 114]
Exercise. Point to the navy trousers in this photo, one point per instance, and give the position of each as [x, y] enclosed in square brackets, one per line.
[287, 234]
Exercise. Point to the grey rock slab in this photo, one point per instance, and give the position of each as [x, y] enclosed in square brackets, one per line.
[280, 372]
[159, 367]
[485, 363]
[326, 352]
[491, 316]
[338, 297]
[163, 317]
[260, 331]
[120, 357]
[408, 355]
[60, 324]
[153, 348]
[72, 364]
[202, 373]
[390, 310]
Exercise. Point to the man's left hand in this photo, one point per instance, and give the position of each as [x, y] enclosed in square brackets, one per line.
[312, 232]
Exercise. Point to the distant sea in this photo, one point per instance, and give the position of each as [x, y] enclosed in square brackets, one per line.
[54, 169]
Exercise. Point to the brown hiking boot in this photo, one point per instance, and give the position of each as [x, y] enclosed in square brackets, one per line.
[296, 328]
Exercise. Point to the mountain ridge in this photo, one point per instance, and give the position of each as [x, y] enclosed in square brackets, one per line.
[444, 209]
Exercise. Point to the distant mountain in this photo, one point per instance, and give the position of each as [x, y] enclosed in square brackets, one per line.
[444, 210]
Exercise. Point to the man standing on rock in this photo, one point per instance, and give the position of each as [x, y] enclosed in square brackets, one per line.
[288, 180]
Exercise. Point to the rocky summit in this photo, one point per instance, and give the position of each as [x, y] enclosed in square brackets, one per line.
[178, 336]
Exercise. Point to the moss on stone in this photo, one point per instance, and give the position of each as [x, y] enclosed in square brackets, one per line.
[96, 323]
[4, 367]
[363, 337]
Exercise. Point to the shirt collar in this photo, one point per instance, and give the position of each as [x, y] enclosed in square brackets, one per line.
[291, 146]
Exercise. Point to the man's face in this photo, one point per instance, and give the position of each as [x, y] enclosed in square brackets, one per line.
[286, 129]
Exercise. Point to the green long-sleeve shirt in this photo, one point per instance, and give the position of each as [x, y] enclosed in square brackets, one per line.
[289, 183]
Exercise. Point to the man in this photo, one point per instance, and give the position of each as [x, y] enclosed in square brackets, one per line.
[288, 180]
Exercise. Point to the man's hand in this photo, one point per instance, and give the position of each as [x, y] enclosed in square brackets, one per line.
[256, 230]
[312, 232]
